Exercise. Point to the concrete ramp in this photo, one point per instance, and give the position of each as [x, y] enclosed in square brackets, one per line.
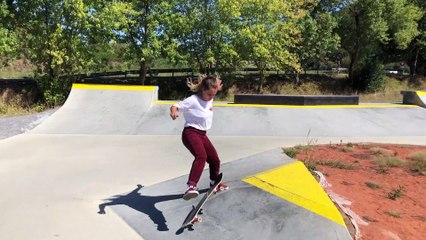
[414, 97]
[100, 109]
[271, 197]
[134, 110]
[374, 120]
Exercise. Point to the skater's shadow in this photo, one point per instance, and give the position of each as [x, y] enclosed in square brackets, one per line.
[143, 204]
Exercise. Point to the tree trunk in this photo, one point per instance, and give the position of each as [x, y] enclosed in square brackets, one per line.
[338, 68]
[351, 70]
[414, 70]
[49, 58]
[297, 78]
[143, 69]
[261, 79]
[201, 68]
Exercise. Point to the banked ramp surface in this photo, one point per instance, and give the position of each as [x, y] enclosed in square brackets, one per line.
[134, 110]
[100, 109]
[258, 205]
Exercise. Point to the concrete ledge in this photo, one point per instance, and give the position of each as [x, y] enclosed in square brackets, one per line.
[414, 97]
[296, 99]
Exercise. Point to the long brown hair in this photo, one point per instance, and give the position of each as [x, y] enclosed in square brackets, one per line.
[204, 82]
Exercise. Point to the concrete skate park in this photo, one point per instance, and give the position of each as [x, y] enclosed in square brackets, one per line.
[109, 164]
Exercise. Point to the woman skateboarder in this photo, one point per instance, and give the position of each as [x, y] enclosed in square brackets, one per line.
[198, 113]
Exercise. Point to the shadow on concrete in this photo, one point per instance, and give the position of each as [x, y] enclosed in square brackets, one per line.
[143, 204]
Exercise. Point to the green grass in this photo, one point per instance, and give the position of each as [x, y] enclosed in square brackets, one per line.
[312, 164]
[382, 170]
[394, 214]
[385, 163]
[391, 92]
[15, 109]
[291, 152]
[12, 103]
[323, 85]
[389, 162]
[17, 68]
[419, 163]
[396, 193]
[347, 149]
[336, 164]
[13, 74]
[373, 185]
[381, 151]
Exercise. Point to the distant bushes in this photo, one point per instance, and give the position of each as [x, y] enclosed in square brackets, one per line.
[370, 76]
[55, 91]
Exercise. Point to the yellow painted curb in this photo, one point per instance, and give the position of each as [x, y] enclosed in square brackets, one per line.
[316, 106]
[421, 93]
[165, 102]
[294, 106]
[294, 183]
[112, 87]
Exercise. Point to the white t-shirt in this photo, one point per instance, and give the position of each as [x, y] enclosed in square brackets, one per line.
[197, 112]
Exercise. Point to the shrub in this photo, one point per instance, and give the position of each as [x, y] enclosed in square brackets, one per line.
[291, 152]
[389, 162]
[381, 151]
[13, 102]
[373, 185]
[55, 91]
[310, 165]
[419, 164]
[336, 164]
[382, 170]
[393, 214]
[347, 149]
[369, 76]
[395, 193]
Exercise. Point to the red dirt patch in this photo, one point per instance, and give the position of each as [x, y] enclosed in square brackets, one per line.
[355, 174]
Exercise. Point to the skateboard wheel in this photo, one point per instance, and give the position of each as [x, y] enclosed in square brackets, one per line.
[197, 219]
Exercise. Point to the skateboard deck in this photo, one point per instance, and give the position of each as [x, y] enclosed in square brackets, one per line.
[193, 215]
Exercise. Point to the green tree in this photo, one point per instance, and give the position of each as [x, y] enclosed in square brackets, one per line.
[361, 28]
[53, 34]
[8, 38]
[268, 32]
[56, 37]
[143, 26]
[416, 56]
[203, 31]
[107, 37]
[319, 41]
[367, 25]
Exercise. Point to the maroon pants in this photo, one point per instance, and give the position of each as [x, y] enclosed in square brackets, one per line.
[203, 150]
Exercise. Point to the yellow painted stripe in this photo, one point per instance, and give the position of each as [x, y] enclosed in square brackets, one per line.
[421, 93]
[112, 87]
[294, 183]
[297, 106]
[317, 106]
[165, 102]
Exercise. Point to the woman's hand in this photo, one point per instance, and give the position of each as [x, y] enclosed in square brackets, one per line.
[219, 84]
[174, 112]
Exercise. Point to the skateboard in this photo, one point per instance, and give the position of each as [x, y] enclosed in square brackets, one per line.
[193, 216]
